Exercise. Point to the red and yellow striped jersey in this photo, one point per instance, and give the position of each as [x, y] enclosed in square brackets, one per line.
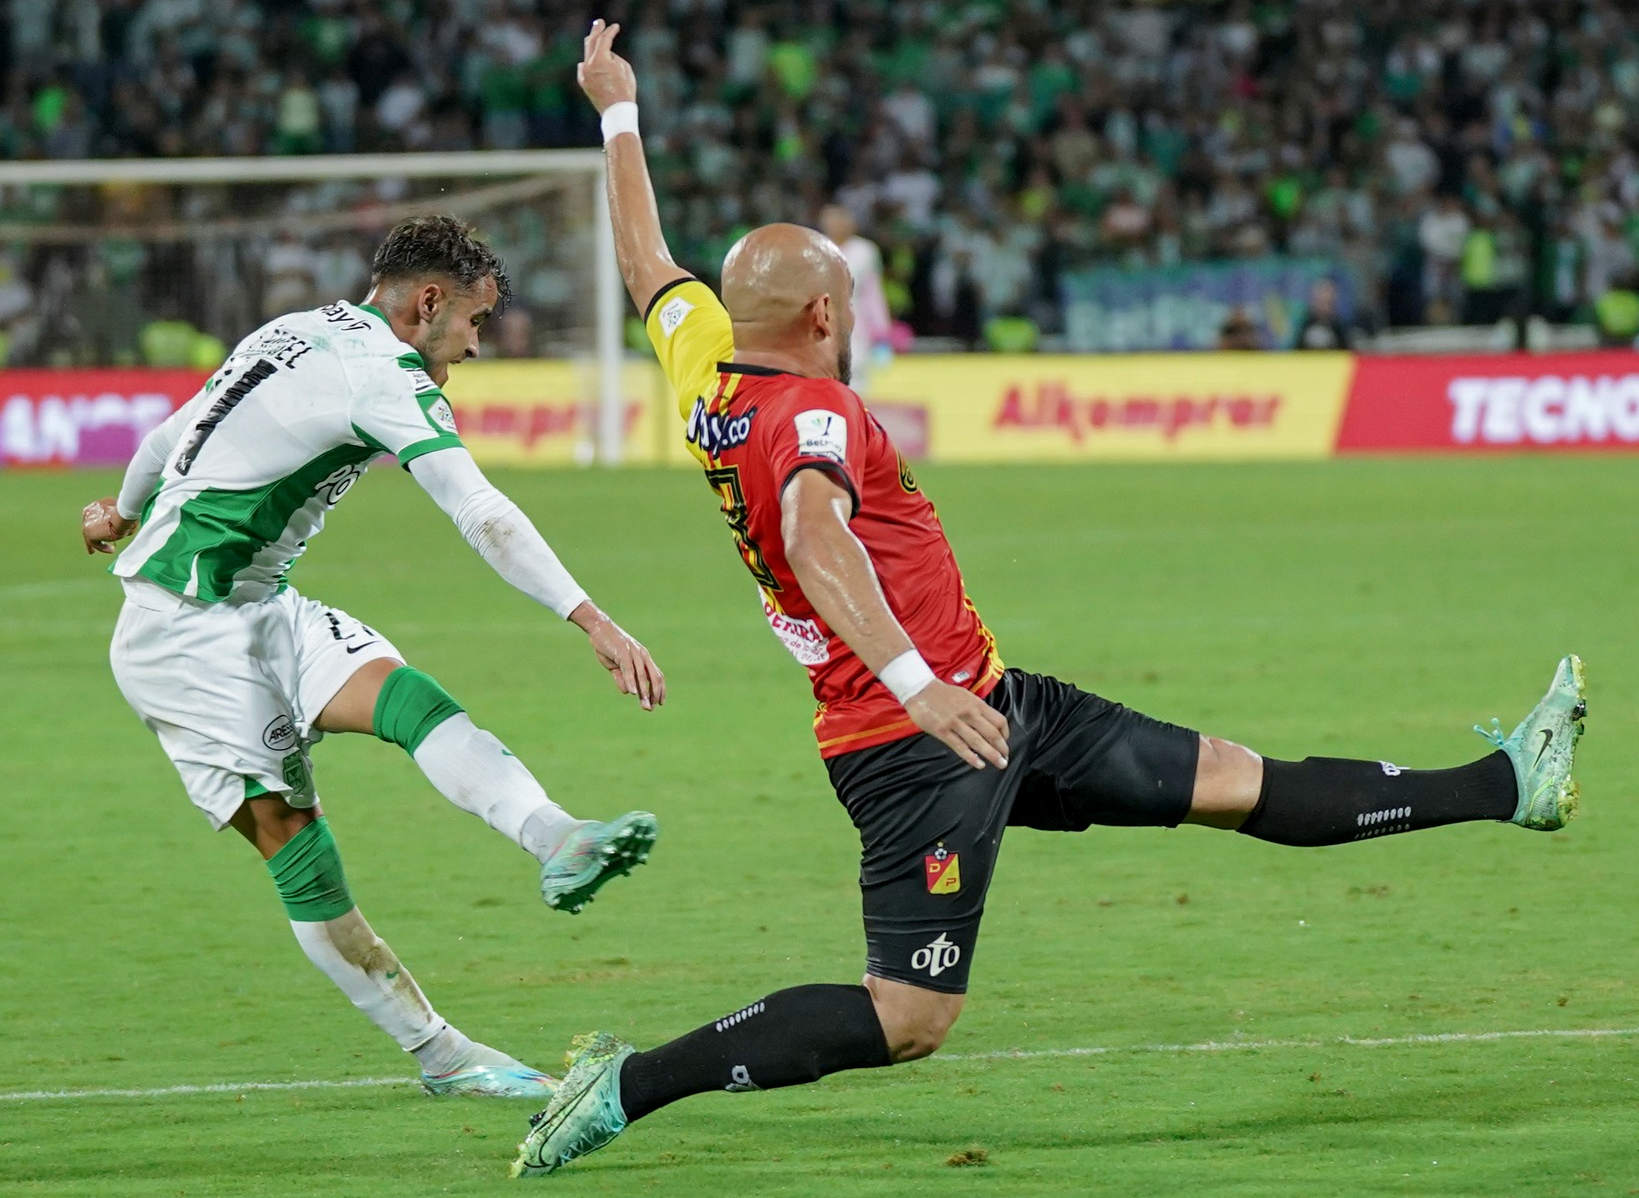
[753, 429]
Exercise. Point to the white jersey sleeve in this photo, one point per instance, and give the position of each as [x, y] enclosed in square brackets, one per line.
[500, 532]
[397, 408]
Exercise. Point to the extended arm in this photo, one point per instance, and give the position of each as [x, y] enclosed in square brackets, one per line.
[836, 574]
[113, 518]
[507, 539]
[645, 261]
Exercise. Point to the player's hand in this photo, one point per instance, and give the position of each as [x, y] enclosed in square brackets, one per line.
[627, 661]
[603, 75]
[101, 525]
[973, 729]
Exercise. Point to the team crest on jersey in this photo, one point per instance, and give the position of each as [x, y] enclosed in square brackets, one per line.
[944, 871]
[715, 433]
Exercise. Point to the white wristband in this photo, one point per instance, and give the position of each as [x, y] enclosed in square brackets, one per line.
[906, 676]
[620, 117]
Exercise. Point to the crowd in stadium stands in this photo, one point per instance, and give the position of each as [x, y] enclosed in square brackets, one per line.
[1463, 160]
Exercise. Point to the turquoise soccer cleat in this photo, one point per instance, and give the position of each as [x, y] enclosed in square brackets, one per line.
[1542, 748]
[591, 855]
[585, 1113]
[501, 1078]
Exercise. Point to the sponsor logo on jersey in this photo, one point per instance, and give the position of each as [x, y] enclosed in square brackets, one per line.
[420, 380]
[715, 433]
[944, 871]
[337, 314]
[441, 414]
[804, 638]
[822, 433]
[937, 956]
[280, 735]
[672, 313]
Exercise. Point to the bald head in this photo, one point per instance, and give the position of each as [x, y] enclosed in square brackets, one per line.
[788, 290]
[771, 274]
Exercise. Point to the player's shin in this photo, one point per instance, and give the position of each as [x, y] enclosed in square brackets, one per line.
[308, 875]
[1330, 800]
[470, 767]
[790, 1038]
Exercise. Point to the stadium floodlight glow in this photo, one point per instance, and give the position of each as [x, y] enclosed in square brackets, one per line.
[478, 183]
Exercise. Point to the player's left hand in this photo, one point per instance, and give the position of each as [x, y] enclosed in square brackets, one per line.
[101, 525]
[627, 661]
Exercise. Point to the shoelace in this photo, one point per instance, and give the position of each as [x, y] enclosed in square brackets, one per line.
[1493, 733]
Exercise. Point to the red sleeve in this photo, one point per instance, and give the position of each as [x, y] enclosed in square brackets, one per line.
[818, 428]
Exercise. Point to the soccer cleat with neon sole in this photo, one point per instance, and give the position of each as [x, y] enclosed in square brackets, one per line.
[592, 854]
[585, 1113]
[1542, 749]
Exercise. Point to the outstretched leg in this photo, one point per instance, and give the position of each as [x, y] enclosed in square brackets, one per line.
[476, 772]
[1328, 800]
[301, 855]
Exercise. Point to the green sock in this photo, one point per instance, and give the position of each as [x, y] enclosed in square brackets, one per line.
[410, 706]
[308, 875]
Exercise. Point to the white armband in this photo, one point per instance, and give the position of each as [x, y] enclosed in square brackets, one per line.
[906, 676]
[620, 117]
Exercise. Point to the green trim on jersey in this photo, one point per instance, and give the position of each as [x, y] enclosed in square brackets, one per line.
[220, 532]
[377, 313]
[432, 444]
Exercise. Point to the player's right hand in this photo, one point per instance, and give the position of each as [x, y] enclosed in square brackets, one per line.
[603, 75]
[101, 525]
[972, 729]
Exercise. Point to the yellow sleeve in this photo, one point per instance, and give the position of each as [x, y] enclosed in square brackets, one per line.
[691, 333]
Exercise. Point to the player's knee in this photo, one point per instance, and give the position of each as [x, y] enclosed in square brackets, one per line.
[915, 1022]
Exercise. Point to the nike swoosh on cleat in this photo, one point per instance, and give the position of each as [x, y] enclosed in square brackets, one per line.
[1547, 739]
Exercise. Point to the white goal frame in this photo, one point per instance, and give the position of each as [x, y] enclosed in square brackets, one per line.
[608, 291]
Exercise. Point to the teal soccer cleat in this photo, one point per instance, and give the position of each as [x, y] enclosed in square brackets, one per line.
[493, 1075]
[585, 1113]
[591, 855]
[1542, 747]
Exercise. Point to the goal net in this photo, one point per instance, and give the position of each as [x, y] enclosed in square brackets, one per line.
[170, 262]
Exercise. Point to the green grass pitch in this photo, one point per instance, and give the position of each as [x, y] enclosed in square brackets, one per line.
[1365, 608]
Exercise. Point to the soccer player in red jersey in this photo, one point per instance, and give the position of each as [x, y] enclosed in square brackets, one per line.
[932, 746]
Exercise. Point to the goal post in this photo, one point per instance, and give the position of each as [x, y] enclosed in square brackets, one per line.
[222, 242]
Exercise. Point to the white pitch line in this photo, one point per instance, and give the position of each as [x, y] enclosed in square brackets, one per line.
[355, 1083]
[1206, 1046]
[1575, 1033]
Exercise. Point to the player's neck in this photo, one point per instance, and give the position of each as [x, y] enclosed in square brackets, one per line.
[807, 363]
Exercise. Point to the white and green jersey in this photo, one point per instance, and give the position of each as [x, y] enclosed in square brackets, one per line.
[274, 440]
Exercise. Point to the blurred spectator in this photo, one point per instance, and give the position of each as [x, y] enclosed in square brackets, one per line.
[1322, 327]
[1458, 160]
[872, 324]
[1238, 331]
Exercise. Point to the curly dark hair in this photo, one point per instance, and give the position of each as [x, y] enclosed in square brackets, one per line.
[443, 246]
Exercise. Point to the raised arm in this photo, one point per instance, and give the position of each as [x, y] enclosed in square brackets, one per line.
[506, 539]
[608, 81]
[836, 574]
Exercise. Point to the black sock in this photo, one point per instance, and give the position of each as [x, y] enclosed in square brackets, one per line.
[1331, 800]
[789, 1038]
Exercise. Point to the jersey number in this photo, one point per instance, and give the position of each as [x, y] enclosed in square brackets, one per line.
[230, 399]
[725, 480]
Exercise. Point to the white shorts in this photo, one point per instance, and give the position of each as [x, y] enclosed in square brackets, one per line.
[232, 690]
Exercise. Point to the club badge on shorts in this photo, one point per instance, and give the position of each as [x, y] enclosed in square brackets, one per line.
[944, 871]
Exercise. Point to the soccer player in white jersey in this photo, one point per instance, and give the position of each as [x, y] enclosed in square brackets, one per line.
[238, 675]
[872, 322]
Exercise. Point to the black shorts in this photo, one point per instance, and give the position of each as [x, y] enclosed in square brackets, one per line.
[930, 825]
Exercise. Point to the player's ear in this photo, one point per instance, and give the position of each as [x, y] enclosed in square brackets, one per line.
[825, 317]
[431, 299]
